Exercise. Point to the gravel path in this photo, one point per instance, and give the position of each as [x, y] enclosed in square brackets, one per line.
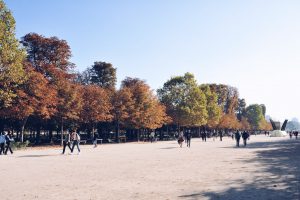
[268, 168]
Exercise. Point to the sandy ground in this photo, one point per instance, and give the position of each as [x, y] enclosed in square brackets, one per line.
[268, 168]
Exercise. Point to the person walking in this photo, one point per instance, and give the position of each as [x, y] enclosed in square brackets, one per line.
[231, 135]
[76, 140]
[67, 142]
[180, 138]
[221, 135]
[95, 140]
[237, 136]
[296, 135]
[8, 139]
[245, 136]
[2, 144]
[204, 136]
[188, 138]
[152, 136]
[291, 134]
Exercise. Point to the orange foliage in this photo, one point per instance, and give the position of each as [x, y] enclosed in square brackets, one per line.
[229, 121]
[96, 104]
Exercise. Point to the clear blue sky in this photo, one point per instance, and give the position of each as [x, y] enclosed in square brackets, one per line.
[252, 45]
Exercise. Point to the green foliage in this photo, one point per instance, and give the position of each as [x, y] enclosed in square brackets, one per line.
[254, 116]
[263, 108]
[11, 58]
[185, 102]
[227, 97]
[102, 74]
[213, 109]
[241, 108]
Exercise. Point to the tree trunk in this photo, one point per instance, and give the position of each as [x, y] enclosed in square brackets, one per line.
[138, 135]
[38, 134]
[51, 136]
[62, 131]
[118, 132]
[18, 134]
[93, 131]
[23, 128]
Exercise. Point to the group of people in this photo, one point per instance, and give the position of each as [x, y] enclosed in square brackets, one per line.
[245, 135]
[71, 139]
[187, 135]
[5, 143]
[295, 133]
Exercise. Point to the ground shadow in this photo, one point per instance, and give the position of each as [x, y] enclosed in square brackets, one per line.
[35, 156]
[169, 148]
[281, 161]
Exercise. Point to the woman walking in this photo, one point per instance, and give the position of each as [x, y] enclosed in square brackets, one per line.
[76, 140]
[180, 138]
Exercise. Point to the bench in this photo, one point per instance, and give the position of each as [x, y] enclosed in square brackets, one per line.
[99, 140]
[122, 138]
[83, 141]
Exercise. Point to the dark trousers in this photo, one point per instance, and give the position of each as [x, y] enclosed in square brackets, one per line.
[8, 147]
[238, 142]
[66, 144]
[188, 140]
[77, 144]
[151, 139]
[1, 148]
[245, 142]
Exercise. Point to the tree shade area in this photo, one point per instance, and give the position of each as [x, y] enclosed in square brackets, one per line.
[42, 96]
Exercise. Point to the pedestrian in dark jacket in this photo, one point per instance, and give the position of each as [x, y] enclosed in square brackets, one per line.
[296, 135]
[67, 142]
[204, 136]
[188, 138]
[221, 135]
[8, 139]
[237, 136]
[245, 136]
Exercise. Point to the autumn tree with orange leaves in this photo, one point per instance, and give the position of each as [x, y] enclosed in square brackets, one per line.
[35, 98]
[144, 106]
[96, 106]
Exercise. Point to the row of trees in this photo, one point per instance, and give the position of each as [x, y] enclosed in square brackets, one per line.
[40, 90]
[210, 105]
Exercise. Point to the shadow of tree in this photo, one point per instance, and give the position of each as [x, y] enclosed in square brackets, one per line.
[36, 156]
[280, 179]
[169, 148]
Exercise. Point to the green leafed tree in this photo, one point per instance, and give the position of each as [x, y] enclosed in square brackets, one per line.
[240, 110]
[11, 58]
[214, 111]
[264, 109]
[185, 102]
[102, 74]
[254, 116]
